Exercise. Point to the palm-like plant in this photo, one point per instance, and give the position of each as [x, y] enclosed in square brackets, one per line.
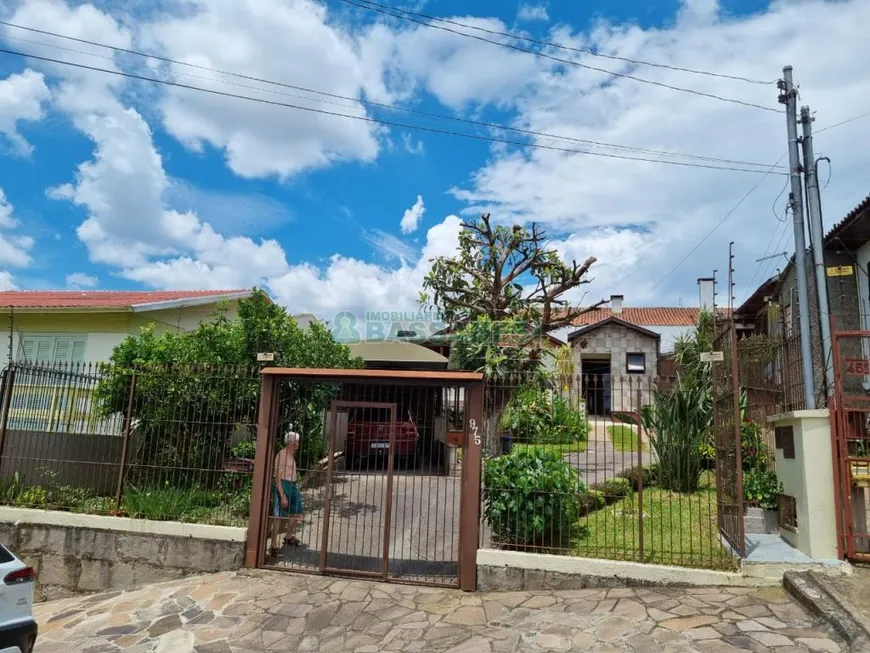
[678, 423]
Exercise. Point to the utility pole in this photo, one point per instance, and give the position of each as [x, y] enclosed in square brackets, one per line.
[731, 278]
[788, 97]
[817, 235]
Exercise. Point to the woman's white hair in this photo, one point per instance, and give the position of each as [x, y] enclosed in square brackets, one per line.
[291, 436]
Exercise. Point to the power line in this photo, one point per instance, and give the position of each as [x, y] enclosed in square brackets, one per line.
[378, 121]
[721, 98]
[560, 46]
[843, 122]
[718, 224]
[470, 121]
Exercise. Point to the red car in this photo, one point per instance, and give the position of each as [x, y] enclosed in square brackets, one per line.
[368, 436]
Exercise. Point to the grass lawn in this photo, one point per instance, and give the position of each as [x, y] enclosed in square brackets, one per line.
[624, 438]
[678, 529]
[571, 447]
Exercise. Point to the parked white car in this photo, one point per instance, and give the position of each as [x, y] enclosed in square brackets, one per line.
[17, 627]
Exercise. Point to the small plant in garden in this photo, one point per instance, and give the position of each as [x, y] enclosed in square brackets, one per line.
[532, 499]
[539, 416]
[762, 488]
[754, 451]
[677, 428]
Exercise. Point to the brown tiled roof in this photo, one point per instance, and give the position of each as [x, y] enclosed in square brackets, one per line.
[102, 298]
[644, 316]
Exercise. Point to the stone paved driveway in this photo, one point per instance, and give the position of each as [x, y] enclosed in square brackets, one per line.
[263, 611]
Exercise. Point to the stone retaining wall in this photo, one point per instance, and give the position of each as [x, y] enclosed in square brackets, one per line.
[77, 554]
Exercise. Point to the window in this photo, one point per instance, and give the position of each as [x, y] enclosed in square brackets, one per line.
[52, 349]
[635, 363]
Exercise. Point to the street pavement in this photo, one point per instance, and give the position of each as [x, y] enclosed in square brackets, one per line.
[251, 611]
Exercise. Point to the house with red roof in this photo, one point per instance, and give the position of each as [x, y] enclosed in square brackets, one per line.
[84, 326]
[617, 349]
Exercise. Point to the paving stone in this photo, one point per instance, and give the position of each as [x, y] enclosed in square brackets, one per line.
[273, 611]
[687, 623]
[614, 628]
[771, 639]
[823, 644]
[631, 609]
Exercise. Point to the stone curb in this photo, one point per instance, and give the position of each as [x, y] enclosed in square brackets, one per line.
[808, 589]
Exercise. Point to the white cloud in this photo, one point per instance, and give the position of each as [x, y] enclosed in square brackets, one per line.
[14, 249]
[530, 12]
[81, 280]
[411, 217]
[129, 227]
[22, 96]
[647, 216]
[458, 71]
[80, 91]
[290, 41]
[354, 285]
[6, 281]
[391, 247]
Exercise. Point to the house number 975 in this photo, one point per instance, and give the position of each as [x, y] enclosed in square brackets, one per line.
[472, 424]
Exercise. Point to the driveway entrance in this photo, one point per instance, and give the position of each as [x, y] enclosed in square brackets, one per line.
[387, 474]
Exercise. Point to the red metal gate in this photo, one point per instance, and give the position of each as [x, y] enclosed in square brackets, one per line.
[850, 425]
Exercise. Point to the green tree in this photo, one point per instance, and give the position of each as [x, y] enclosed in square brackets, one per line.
[504, 273]
[502, 291]
[194, 388]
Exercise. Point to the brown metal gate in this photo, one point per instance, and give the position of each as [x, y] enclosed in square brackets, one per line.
[850, 425]
[726, 436]
[387, 476]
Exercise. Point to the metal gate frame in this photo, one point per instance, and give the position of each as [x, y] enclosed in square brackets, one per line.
[469, 507]
[727, 440]
[330, 487]
[848, 415]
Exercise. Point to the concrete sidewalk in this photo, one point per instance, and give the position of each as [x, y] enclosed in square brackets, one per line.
[275, 611]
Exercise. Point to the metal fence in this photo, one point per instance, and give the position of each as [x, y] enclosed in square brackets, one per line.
[618, 467]
[159, 442]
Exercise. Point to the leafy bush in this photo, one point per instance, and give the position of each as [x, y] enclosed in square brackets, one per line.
[755, 454]
[539, 416]
[650, 475]
[677, 428]
[245, 449]
[532, 499]
[761, 488]
[615, 488]
[169, 503]
[591, 501]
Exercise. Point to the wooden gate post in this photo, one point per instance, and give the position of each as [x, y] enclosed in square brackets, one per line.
[260, 481]
[469, 508]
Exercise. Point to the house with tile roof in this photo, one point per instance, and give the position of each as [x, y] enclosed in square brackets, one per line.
[74, 326]
[617, 349]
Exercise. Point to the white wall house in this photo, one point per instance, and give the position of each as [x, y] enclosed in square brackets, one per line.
[85, 326]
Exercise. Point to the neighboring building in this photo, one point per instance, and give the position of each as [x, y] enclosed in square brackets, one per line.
[669, 322]
[621, 352]
[615, 359]
[85, 326]
[847, 262]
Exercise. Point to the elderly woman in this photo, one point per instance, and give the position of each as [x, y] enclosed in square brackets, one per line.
[286, 498]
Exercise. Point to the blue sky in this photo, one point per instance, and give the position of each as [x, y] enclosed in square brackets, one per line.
[113, 183]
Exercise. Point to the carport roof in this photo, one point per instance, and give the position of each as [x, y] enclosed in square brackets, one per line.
[395, 351]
